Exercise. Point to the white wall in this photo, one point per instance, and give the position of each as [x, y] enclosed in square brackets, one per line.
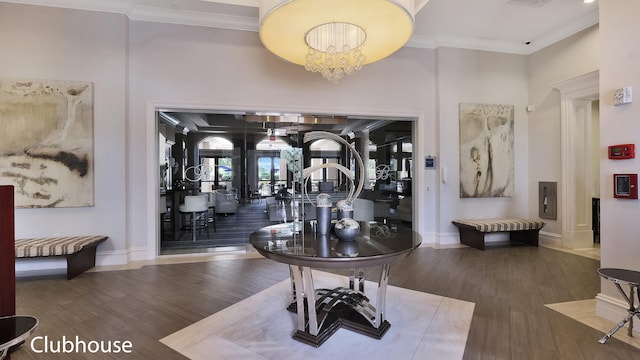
[595, 141]
[185, 66]
[619, 56]
[469, 76]
[576, 55]
[138, 66]
[48, 43]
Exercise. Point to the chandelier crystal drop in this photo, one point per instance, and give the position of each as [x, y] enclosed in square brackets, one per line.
[335, 50]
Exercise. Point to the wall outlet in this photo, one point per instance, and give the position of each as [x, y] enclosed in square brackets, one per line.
[623, 96]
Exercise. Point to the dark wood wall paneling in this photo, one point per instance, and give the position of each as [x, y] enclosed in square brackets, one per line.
[7, 253]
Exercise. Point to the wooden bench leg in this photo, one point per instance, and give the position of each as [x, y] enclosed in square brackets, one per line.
[529, 237]
[81, 261]
[471, 237]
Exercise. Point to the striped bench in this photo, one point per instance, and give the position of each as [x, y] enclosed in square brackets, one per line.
[80, 251]
[520, 230]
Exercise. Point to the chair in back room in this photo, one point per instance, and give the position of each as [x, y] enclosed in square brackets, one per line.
[198, 207]
[363, 210]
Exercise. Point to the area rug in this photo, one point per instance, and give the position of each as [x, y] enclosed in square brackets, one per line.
[423, 326]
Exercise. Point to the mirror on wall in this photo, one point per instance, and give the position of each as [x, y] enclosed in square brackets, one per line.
[222, 175]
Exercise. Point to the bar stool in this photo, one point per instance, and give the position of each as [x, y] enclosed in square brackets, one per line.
[211, 200]
[162, 210]
[198, 206]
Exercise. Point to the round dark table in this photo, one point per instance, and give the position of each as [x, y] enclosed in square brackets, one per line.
[14, 330]
[376, 245]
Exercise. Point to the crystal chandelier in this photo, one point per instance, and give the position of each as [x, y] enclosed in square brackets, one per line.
[335, 50]
[335, 37]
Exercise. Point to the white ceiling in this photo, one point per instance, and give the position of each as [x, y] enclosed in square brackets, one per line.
[495, 25]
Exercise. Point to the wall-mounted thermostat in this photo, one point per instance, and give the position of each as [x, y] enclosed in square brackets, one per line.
[622, 151]
[430, 162]
[625, 186]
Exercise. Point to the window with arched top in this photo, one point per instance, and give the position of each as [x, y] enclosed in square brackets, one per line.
[215, 143]
[324, 151]
[269, 164]
[324, 145]
[215, 163]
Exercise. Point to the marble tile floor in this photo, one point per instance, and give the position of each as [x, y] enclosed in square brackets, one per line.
[423, 326]
[584, 311]
[590, 252]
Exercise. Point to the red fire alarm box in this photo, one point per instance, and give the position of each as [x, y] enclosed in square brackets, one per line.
[622, 151]
[625, 186]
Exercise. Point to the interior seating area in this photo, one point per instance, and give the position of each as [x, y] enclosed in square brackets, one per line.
[219, 219]
[248, 181]
[163, 125]
[226, 202]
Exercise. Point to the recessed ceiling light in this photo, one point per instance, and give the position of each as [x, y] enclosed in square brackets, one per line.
[588, 1]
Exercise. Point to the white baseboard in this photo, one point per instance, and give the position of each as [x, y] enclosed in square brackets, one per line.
[140, 253]
[112, 257]
[447, 239]
[428, 240]
[120, 257]
[549, 239]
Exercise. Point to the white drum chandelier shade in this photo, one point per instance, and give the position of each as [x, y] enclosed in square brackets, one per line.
[335, 37]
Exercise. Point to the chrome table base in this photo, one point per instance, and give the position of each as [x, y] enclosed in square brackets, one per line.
[631, 312]
[623, 277]
[332, 309]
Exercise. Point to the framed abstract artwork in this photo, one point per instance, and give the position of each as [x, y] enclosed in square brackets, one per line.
[486, 150]
[46, 142]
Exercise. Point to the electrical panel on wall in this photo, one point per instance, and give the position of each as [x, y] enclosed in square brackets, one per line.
[547, 199]
[625, 186]
[622, 151]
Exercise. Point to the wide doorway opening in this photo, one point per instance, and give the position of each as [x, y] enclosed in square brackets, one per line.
[232, 163]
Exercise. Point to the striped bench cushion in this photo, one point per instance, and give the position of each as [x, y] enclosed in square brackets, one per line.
[502, 224]
[54, 246]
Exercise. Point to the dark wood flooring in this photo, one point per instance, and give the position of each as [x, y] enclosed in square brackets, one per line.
[510, 286]
[228, 230]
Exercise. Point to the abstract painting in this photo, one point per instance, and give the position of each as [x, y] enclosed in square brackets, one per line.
[46, 142]
[486, 150]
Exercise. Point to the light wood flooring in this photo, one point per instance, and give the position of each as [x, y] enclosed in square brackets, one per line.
[509, 285]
